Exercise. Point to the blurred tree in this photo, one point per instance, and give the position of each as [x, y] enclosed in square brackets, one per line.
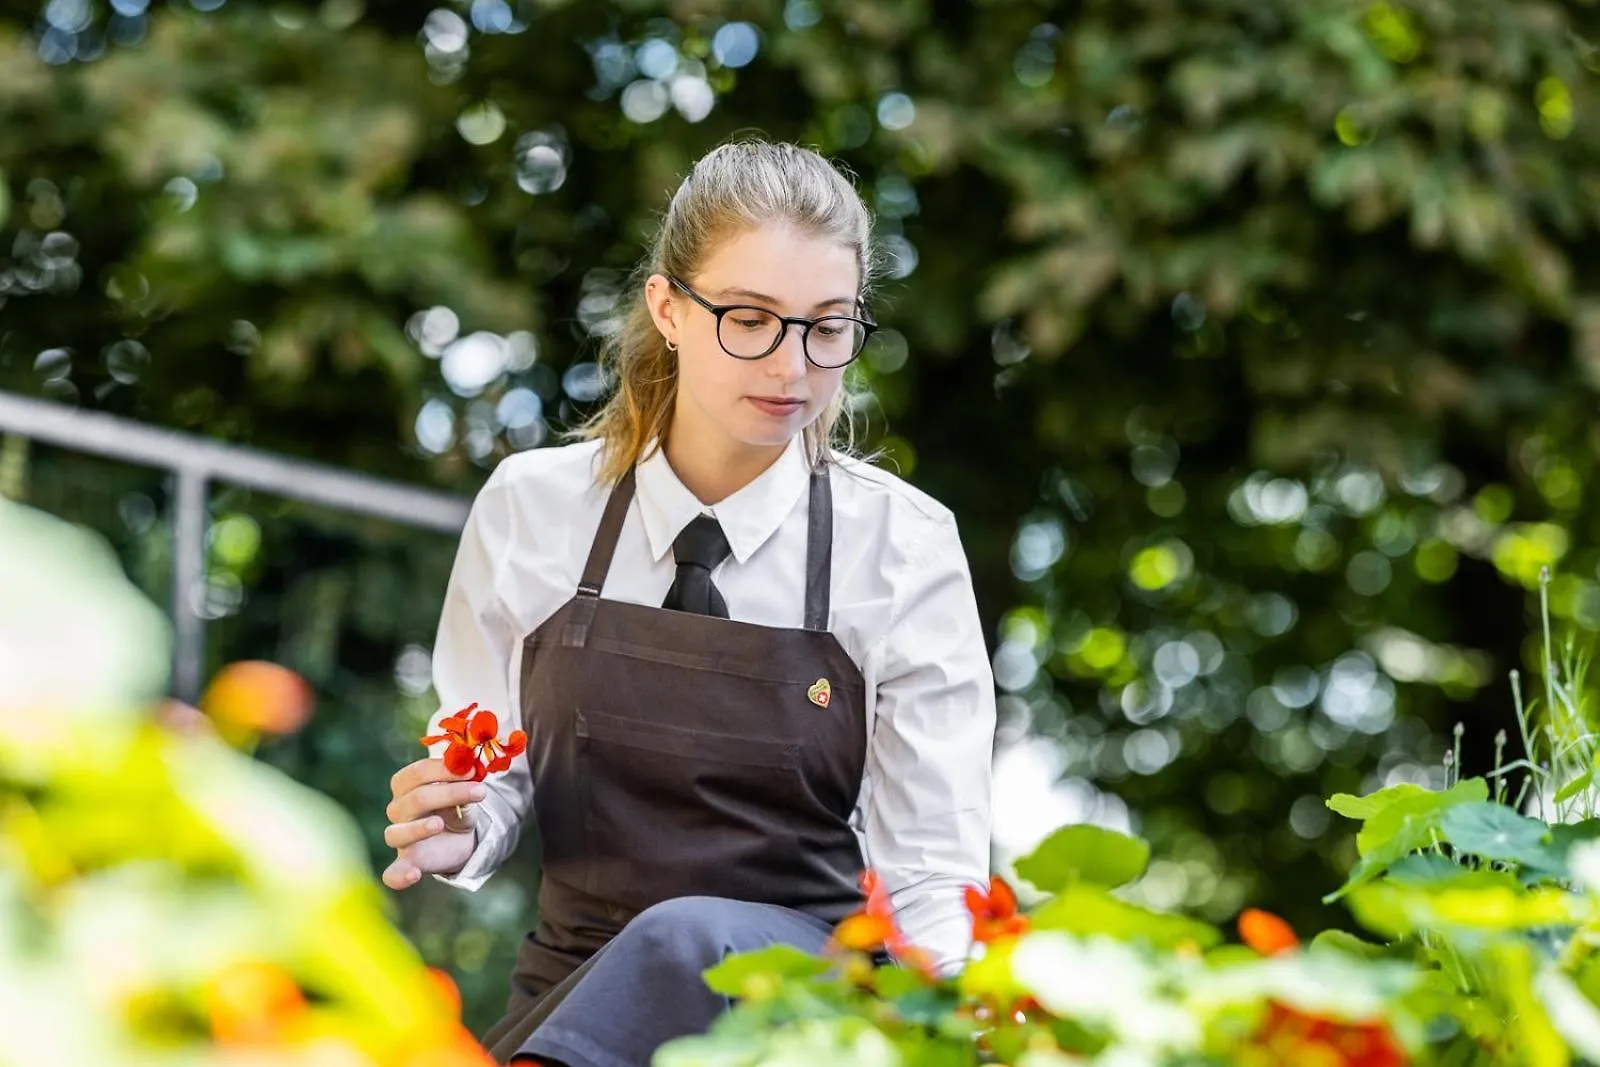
[1251, 342]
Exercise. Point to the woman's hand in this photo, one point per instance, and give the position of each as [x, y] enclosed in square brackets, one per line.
[427, 834]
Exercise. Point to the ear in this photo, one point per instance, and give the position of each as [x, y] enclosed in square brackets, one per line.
[664, 310]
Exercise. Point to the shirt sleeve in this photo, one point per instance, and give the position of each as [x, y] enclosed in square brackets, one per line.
[474, 659]
[927, 820]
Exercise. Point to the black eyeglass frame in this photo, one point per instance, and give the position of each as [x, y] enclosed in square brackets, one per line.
[785, 321]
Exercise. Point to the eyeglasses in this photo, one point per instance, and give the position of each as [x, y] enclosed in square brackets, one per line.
[747, 332]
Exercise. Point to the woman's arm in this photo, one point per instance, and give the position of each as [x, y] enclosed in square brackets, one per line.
[474, 657]
[931, 751]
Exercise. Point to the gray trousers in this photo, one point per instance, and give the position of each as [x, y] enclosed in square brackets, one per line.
[645, 987]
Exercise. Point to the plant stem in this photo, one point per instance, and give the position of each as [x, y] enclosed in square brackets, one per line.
[1527, 739]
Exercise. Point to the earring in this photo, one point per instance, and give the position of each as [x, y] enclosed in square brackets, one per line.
[671, 347]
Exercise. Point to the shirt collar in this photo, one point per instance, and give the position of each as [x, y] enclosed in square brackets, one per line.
[748, 517]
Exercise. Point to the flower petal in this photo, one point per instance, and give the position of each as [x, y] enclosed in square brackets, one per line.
[977, 903]
[517, 743]
[499, 763]
[1002, 898]
[459, 759]
[485, 726]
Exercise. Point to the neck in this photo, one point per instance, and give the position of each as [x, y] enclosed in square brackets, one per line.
[714, 470]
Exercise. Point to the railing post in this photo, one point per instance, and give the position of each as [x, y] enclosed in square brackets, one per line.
[188, 582]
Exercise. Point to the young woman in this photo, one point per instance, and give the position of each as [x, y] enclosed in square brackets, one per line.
[747, 663]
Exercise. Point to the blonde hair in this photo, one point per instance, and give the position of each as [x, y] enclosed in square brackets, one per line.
[734, 188]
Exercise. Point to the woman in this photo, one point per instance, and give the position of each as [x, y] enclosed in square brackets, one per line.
[747, 664]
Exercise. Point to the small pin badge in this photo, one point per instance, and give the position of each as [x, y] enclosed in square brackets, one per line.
[820, 692]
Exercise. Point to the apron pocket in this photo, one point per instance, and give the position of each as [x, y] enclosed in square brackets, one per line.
[656, 796]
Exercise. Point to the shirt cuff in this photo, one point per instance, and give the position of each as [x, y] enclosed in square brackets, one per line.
[933, 916]
[486, 852]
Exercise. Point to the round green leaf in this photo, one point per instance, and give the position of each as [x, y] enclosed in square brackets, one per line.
[775, 963]
[1495, 832]
[1084, 853]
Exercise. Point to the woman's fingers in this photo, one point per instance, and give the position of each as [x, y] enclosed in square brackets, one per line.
[402, 834]
[434, 797]
[420, 773]
[401, 874]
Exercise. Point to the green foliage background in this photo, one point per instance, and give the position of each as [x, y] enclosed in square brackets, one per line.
[1254, 345]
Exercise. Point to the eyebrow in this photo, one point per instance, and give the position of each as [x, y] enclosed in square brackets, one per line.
[763, 298]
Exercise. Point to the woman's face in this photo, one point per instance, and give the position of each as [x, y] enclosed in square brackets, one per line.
[756, 402]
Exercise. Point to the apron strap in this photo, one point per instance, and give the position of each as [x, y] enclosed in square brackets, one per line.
[819, 545]
[819, 550]
[605, 540]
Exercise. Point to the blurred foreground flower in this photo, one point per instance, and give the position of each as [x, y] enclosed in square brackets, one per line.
[164, 899]
[248, 699]
[873, 928]
[1266, 933]
[1290, 1036]
[994, 914]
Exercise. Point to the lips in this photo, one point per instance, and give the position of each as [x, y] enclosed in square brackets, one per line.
[777, 405]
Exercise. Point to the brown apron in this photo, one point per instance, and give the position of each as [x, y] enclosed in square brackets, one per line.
[674, 755]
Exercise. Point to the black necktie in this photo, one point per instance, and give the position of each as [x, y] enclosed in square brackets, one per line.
[698, 550]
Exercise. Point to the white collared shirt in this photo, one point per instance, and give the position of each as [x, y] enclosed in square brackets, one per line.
[902, 606]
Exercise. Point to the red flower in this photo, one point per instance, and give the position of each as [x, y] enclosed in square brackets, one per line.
[1293, 1036]
[475, 747]
[1266, 932]
[873, 927]
[994, 914]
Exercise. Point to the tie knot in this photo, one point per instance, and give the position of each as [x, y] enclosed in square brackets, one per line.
[701, 544]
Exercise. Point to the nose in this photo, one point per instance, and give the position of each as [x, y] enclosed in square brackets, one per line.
[788, 361]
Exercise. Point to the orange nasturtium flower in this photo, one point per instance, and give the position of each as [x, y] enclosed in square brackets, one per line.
[873, 927]
[994, 914]
[1293, 1036]
[1266, 933]
[475, 746]
[252, 1003]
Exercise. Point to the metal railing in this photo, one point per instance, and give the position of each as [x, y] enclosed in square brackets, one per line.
[194, 462]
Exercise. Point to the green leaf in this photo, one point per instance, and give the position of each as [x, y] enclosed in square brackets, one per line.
[1363, 808]
[1391, 820]
[1084, 853]
[1574, 787]
[1414, 832]
[925, 1005]
[1564, 835]
[1536, 1040]
[1424, 868]
[1495, 832]
[989, 976]
[890, 982]
[733, 976]
[1496, 903]
[1348, 944]
[1086, 909]
[1401, 821]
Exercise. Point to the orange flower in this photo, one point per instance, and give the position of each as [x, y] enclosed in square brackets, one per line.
[1292, 1036]
[255, 697]
[475, 747]
[1266, 933]
[994, 914]
[449, 993]
[873, 927]
[453, 1047]
[252, 1003]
